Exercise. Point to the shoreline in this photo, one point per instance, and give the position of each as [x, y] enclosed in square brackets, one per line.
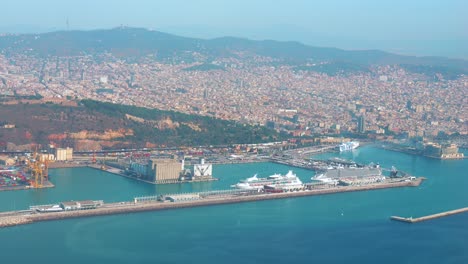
[22, 217]
[419, 153]
[60, 165]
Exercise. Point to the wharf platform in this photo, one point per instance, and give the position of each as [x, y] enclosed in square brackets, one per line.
[293, 163]
[118, 171]
[58, 165]
[47, 184]
[22, 217]
[411, 220]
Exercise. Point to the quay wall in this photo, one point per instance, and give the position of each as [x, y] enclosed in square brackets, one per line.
[129, 207]
[47, 184]
[290, 164]
[57, 165]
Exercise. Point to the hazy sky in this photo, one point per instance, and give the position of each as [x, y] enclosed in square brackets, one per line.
[420, 27]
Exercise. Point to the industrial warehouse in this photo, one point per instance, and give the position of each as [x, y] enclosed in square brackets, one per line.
[169, 170]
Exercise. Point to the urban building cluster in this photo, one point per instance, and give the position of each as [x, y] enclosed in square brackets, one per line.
[167, 170]
[384, 101]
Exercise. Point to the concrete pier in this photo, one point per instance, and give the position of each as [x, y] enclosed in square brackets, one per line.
[47, 184]
[22, 217]
[428, 217]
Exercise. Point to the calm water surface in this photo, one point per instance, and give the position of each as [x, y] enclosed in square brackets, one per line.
[339, 228]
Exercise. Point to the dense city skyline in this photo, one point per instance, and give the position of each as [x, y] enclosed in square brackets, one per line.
[435, 28]
[303, 99]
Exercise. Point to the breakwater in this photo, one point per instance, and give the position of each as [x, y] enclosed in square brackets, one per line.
[428, 217]
[24, 217]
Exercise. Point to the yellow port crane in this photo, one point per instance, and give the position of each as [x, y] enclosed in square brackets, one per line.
[38, 167]
[37, 173]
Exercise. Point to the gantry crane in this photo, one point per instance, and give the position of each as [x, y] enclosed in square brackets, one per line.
[37, 173]
[38, 167]
[93, 160]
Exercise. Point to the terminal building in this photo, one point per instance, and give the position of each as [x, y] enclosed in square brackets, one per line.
[435, 150]
[170, 170]
[202, 170]
[199, 172]
[63, 154]
[164, 170]
[80, 205]
[138, 169]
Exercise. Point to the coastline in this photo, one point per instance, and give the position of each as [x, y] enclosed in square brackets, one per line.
[412, 151]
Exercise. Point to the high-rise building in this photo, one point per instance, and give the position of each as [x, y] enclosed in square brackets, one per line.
[361, 124]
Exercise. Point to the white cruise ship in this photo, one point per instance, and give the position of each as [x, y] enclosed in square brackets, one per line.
[334, 175]
[348, 146]
[254, 183]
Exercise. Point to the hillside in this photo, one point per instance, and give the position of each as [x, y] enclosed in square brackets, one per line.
[96, 125]
[134, 43]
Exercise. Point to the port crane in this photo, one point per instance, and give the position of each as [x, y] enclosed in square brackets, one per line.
[39, 169]
[395, 173]
[93, 160]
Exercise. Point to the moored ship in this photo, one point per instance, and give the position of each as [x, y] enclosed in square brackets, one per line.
[350, 174]
[348, 146]
[255, 183]
[294, 185]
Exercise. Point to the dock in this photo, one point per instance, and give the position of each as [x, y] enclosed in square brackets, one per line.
[14, 218]
[118, 171]
[411, 220]
[47, 184]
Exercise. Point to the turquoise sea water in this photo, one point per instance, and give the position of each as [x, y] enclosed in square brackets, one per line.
[339, 228]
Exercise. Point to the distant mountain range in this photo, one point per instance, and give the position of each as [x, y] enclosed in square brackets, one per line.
[133, 43]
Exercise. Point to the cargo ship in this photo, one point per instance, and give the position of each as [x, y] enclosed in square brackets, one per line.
[346, 146]
[255, 183]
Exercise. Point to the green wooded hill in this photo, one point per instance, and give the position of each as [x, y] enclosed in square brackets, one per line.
[45, 123]
[190, 129]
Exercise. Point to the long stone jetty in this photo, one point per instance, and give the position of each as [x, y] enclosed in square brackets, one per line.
[20, 218]
[428, 217]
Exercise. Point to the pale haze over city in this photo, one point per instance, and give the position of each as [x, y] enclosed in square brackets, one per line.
[419, 27]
